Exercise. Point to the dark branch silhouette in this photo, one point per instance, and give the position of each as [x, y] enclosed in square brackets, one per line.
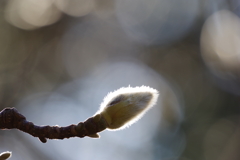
[10, 118]
[119, 109]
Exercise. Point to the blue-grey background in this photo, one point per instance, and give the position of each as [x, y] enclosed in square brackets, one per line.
[60, 58]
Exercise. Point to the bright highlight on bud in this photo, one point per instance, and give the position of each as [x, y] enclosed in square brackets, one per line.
[5, 155]
[125, 106]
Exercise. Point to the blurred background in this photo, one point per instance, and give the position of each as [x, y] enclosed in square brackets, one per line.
[60, 58]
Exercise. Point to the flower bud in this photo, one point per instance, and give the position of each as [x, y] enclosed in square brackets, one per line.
[125, 106]
[5, 155]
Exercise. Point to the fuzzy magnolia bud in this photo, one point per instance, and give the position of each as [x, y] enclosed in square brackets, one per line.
[125, 106]
[5, 155]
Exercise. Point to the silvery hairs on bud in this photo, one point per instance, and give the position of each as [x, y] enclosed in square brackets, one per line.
[5, 155]
[125, 106]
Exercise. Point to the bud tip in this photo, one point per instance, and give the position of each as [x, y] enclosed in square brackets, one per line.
[125, 106]
[5, 155]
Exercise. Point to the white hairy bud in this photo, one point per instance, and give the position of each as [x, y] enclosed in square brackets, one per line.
[5, 155]
[125, 106]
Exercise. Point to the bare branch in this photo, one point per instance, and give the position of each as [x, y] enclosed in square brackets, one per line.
[119, 109]
[10, 118]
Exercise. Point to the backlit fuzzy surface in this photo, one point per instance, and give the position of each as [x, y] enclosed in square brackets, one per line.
[5, 155]
[125, 106]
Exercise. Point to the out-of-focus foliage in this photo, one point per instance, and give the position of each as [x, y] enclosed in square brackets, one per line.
[59, 58]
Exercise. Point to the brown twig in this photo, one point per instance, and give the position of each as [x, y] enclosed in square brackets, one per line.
[10, 118]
